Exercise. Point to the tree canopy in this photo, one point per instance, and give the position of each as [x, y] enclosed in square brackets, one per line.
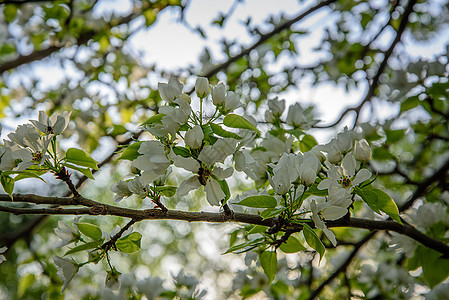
[225, 178]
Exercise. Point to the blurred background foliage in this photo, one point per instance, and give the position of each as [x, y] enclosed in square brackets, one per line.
[79, 56]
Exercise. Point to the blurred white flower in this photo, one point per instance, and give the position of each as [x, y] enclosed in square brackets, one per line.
[150, 287]
[66, 270]
[276, 106]
[66, 233]
[2, 256]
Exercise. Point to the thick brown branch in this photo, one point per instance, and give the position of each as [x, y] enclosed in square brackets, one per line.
[96, 208]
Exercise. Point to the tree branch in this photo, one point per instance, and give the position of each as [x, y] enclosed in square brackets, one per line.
[263, 38]
[96, 208]
[375, 81]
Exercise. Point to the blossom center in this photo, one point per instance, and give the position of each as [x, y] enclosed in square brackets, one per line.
[345, 181]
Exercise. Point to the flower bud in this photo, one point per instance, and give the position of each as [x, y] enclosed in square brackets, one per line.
[202, 87]
[232, 101]
[219, 94]
[194, 137]
[362, 150]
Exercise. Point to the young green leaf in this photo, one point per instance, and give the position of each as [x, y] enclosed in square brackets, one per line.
[86, 172]
[90, 230]
[129, 243]
[153, 119]
[292, 245]
[387, 205]
[272, 212]
[166, 190]
[223, 133]
[80, 158]
[236, 121]
[269, 263]
[246, 246]
[131, 152]
[8, 184]
[23, 175]
[313, 240]
[79, 248]
[182, 151]
[225, 188]
[261, 201]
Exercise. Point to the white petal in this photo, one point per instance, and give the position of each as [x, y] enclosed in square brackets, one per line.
[361, 176]
[188, 185]
[214, 193]
[331, 236]
[334, 213]
[349, 164]
[324, 184]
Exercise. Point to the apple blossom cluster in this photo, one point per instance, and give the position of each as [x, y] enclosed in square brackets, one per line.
[28, 144]
[201, 142]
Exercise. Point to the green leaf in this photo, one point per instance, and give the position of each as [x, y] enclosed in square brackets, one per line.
[236, 121]
[379, 200]
[225, 188]
[313, 190]
[261, 201]
[166, 190]
[150, 16]
[257, 229]
[154, 119]
[129, 243]
[313, 240]
[387, 205]
[23, 175]
[8, 184]
[25, 283]
[86, 172]
[272, 212]
[90, 230]
[223, 133]
[182, 151]
[435, 269]
[86, 246]
[307, 143]
[292, 245]
[80, 158]
[370, 198]
[131, 152]
[409, 103]
[269, 263]
[248, 245]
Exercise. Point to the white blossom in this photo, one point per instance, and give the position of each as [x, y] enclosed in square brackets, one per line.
[56, 124]
[66, 270]
[276, 106]
[121, 190]
[309, 168]
[320, 224]
[194, 137]
[153, 162]
[202, 87]
[171, 90]
[362, 151]
[179, 112]
[214, 193]
[232, 101]
[298, 117]
[66, 233]
[219, 94]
